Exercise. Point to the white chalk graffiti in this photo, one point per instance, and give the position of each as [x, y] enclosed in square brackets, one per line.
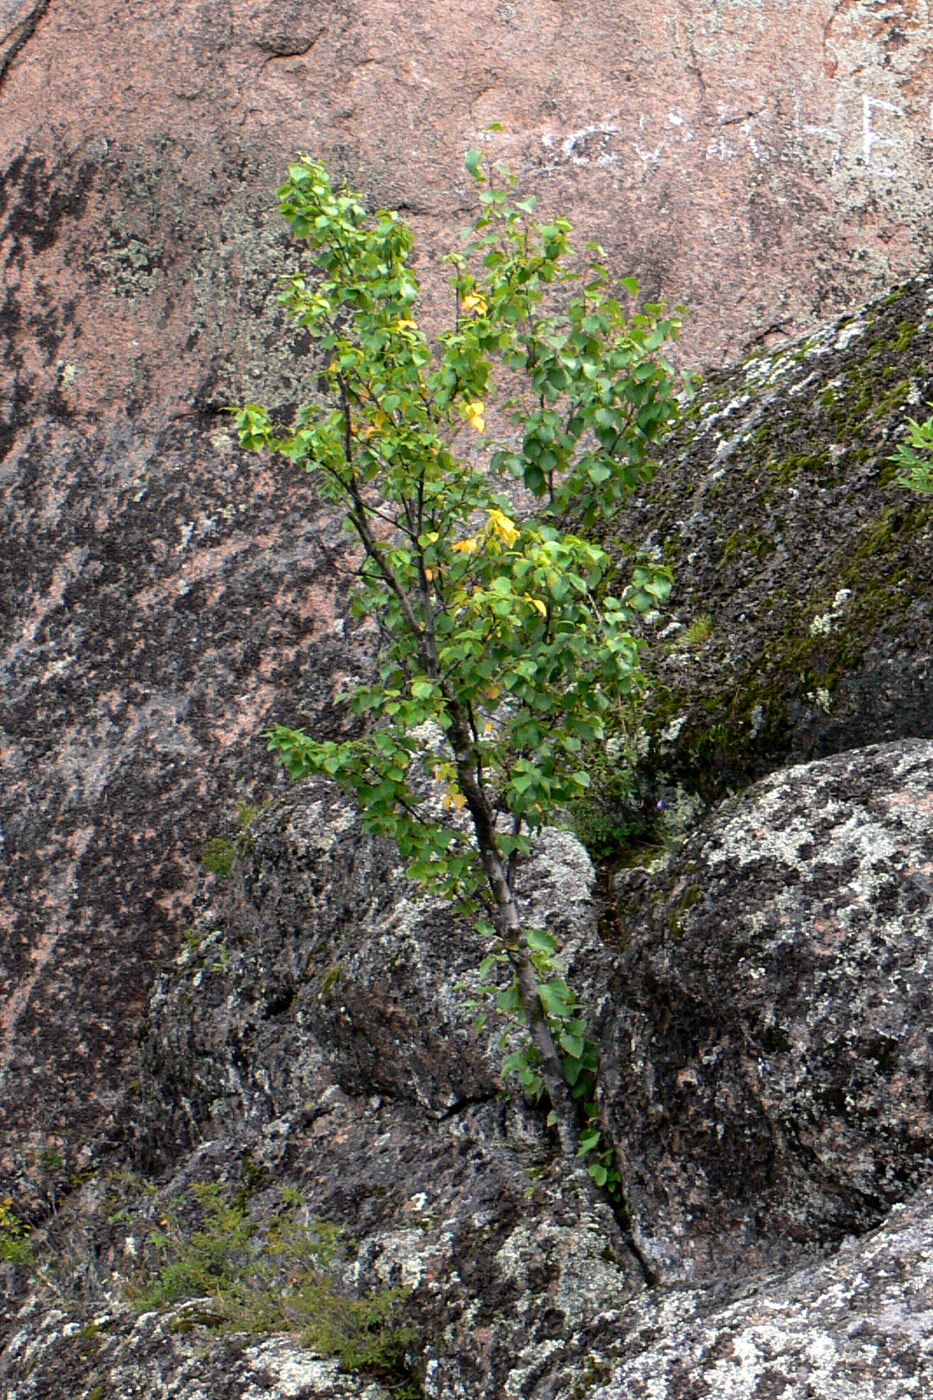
[832, 134]
[589, 145]
[872, 143]
[871, 137]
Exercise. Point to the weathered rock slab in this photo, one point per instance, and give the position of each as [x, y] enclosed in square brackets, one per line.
[63, 1354]
[770, 1068]
[858, 1327]
[800, 623]
[769, 166]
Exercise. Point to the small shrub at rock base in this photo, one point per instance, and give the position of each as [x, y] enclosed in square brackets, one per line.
[15, 1244]
[245, 1274]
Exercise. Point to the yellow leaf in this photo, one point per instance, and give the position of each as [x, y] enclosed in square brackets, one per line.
[536, 603]
[475, 414]
[468, 546]
[475, 301]
[502, 526]
[406, 325]
[455, 800]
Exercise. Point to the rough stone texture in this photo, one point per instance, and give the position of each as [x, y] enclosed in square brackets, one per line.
[767, 1079]
[312, 1035]
[766, 165]
[325, 947]
[859, 1327]
[769, 1071]
[69, 1354]
[161, 600]
[151, 630]
[777, 506]
[319, 1023]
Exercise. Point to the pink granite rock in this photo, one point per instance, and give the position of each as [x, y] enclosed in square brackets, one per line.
[162, 598]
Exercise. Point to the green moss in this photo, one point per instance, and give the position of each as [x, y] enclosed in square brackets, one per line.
[596, 1371]
[906, 331]
[699, 631]
[740, 542]
[790, 468]
[217, 856]
[330, 979]
[802, 507]
[686, 902]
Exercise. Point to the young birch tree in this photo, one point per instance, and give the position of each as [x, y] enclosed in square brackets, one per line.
[505, 654]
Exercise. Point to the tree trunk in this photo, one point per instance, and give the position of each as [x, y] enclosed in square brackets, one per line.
[509, 925]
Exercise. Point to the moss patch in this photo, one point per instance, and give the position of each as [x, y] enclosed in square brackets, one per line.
[777, 504]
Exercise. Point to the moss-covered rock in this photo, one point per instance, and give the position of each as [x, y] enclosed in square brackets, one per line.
[801, 618]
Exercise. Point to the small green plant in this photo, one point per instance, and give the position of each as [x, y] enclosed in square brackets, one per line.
[15, 1244]
[242, 1275]
[247, 813]
[914, 457]
[699, 631]
[609, 818]
[506, 651]
[217, 856]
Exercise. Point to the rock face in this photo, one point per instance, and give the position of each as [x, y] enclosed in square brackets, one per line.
[801, 622]
[149, 1356]
[334, 949]
[769, 1070]
[766, 1079]
[161, 598]
[859, 1326]
[320, 1023]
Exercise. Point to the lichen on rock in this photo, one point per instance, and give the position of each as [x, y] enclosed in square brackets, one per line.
[776, 503]
[768, 1066]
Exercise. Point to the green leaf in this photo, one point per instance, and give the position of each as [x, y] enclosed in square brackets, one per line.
[556, 998]
[473, 161]
[510, 998]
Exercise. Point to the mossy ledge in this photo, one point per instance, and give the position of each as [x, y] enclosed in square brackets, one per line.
[778, 506]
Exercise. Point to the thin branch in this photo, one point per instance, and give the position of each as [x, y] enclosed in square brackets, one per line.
[512, 864]
[357, 516]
